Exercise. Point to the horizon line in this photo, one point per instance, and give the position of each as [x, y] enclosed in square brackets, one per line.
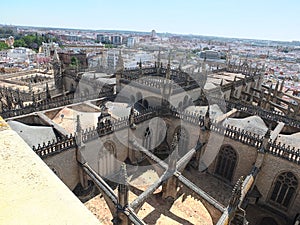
[165, 32]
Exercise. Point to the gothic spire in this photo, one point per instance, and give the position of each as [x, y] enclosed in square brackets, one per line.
[131, 118]
[120, 63]
[78, 130]
[203, 68]
[174, 154]
[123, 187]
[282, 85]
[158, 58]
[168, 72]
[48, 96]
[207, 121]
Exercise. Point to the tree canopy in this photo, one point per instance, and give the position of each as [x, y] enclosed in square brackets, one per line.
[3, 46]
[33, 41]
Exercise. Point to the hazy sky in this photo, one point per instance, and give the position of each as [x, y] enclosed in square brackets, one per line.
[262, 19]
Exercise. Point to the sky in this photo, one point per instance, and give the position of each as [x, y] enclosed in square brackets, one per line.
[254, 19]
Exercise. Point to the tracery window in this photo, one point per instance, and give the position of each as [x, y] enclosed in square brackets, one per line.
[147, 139]
[226, 162]
[284, 189]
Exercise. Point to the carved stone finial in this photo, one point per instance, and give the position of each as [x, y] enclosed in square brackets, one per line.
[78, 125]
[131, 119]
[78, 131]
[168, 72]
[207, 120]
[123, 187]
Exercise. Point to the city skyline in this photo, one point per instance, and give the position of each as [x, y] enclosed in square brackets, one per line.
[267, 20]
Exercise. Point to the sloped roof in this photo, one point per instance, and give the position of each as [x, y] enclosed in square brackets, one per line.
[33, 135]
[253, 124]
[214, 110]
[67, 118]
[292, 140]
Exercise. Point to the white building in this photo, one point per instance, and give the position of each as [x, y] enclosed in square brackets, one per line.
[131, 41]
[47, 48]
[21, 54]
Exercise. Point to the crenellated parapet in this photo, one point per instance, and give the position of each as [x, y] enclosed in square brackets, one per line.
[255, 110]
[39, 105]
[237, 134]
[108, 126]
[283, 151]
[244, 68]
[54, 147]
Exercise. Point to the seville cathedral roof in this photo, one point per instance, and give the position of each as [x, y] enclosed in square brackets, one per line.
[66, 118]
[33, 135]
[186, 209]
[118, 110]
[100, 77]
[209, 86]
[253, 124]
[293, 139]
[214, 110]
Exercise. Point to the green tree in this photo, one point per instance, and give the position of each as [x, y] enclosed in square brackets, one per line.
[20, 43]
[3, 46]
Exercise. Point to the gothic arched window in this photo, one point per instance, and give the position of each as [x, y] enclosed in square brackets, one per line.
[147, 139]
[284, 189]
[226, 162]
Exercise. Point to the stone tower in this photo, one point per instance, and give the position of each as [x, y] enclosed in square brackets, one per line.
[58, 78]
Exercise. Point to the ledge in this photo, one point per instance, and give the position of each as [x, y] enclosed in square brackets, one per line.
[30, 193]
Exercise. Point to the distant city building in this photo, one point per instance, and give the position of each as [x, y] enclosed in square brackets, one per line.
[21, 53]
[210, 54]
[116, 39]
[104, 39]
[153, 34]
[112, 59]
[48, 48]
[131, 41]
[3, 54]
[70, 37]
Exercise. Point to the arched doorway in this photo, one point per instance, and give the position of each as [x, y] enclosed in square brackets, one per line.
[226, 162]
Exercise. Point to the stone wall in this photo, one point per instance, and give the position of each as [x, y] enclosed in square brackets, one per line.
[65, 166]
[246, 156]
[271, 168]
